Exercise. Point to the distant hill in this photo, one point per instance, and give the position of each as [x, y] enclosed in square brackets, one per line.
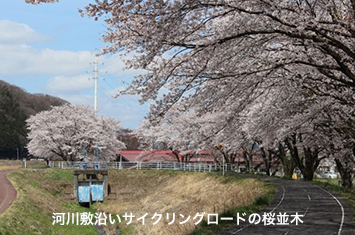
[16, 105]
[30, 103]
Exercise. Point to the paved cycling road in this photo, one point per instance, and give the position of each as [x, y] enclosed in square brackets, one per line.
[7, 191]
[323, 212]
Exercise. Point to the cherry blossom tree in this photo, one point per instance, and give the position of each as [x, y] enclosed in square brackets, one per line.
[340, 128]
[310, 126]
[204, 40]
[64, 131]
[280, 72]
[184, 44]
[177, 132]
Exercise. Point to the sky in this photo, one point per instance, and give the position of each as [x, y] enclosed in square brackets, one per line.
[49, 48]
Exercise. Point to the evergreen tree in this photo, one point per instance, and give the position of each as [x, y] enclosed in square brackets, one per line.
[12, 126]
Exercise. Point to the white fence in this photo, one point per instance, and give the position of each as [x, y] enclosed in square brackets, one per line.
[205, 167]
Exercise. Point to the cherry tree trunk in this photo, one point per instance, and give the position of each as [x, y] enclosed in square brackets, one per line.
[345, 173]
[308, 163]
[287, 163]
[288, 166]
[267, 160]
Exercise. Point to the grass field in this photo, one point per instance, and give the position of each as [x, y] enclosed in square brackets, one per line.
[10, 164]
[168, 192]
[45, 191]
[17, 164]
[40, 193]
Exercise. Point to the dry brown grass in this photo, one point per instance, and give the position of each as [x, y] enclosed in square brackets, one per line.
[10, 164]
[179, 193]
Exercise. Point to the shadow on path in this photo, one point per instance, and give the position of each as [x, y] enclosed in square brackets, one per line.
[322, 212]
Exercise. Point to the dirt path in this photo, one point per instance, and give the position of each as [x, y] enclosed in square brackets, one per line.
[322, 212]
[7, 191]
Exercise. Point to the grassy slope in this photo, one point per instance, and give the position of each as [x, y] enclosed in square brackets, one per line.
[42, 192]
[10, 165]
[185, 193]
[39, 195]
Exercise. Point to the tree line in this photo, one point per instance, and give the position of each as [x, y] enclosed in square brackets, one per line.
[16, 105]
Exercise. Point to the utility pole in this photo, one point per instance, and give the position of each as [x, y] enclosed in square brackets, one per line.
[96, 77]
[121, 155]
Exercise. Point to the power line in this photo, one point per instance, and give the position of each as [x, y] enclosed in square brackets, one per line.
[95, 81]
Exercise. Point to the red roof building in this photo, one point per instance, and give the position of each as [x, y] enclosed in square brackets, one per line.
[145, 156]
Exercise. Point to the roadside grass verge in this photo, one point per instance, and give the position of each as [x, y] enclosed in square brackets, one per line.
[40, 194]
[176, 193]
[16, 164]
[256, 205]
[10, 164]
[333, 185]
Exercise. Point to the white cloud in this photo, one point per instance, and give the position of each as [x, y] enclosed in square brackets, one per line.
[114, 66]
[78, 98]
[126, 109]
[62, 84]
[24, 59]
[17, 33]
[18, 57]
[68, 72]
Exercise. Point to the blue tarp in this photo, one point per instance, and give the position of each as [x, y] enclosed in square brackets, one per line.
[97, 193]
[84, 193]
